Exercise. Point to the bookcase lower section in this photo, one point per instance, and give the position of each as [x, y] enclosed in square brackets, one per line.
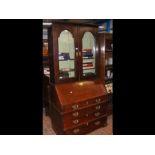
[81, 124]
[77, 109]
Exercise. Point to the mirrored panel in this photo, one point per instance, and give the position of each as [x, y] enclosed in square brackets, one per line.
[88, 54]
[66, 55]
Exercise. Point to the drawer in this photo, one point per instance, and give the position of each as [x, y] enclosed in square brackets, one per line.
[84, 115]
[100, 99]
[82, 112]
[87, 127]
[82, 104]
[76, 131]
[98, 123]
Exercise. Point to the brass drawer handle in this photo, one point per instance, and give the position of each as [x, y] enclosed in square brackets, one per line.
[98, 100]
[87, 123]
[77, 54]
[76, 121]
[98, 107]
[76, 130]
[97, 114]
[97, 123]
[75, 106]
[87, 115]
[75, 114]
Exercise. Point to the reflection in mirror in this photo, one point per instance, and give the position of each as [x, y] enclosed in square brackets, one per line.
[88, 54]
[66, 55]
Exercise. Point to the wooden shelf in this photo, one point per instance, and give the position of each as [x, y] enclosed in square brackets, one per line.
[71, 70]
[88, 68]
[108, 51]
[87, 58]
[67, 60]
[108, 55]
[108, 66]
[65, 77]
[92, 74]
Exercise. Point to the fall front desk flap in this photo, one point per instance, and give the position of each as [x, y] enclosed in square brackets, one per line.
[70, 93]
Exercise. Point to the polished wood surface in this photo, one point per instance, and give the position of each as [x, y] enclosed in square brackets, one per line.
[87, 127]
[72, 120]
[70, 93]
[77, 103]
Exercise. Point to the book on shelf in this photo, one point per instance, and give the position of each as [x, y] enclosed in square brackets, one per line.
[64, 56]
[61, 58]
[88, 74]
[87, 50]
[88, 68]
[87, 64]
[87, 54]
[88, 57]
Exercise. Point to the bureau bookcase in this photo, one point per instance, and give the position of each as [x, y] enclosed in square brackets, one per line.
[78, 97]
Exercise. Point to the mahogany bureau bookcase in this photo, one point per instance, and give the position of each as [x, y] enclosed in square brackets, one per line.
[78, 97]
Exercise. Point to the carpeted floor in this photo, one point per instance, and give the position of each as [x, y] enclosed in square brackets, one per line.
[47, 129]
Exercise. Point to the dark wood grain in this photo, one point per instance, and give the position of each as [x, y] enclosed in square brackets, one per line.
[87, 127]
[91, 98]
[85, 95]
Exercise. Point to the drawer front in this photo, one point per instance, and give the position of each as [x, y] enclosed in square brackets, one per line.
[100, 99]
[76, 131]
[89, 102]
[98, 123]
[79, 117]
[87, 127]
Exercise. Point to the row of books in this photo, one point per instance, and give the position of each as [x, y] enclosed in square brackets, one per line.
[88, 64]
[64, 56]
[87, 50]
[87, 54]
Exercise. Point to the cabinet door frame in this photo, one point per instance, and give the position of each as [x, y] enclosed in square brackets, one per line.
[81, 31]
[56, 31]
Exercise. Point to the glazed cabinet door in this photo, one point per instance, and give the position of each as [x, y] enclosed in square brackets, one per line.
[88, 52]
[65, 46]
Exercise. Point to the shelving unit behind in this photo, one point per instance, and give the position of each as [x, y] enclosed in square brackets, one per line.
[106, 64]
